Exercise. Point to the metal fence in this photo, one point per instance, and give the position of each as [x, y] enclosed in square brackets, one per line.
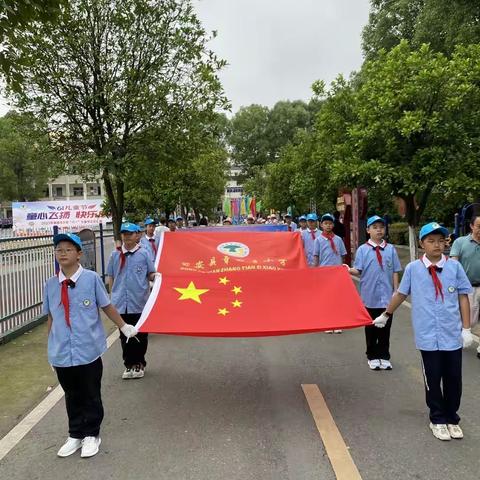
[25, 265]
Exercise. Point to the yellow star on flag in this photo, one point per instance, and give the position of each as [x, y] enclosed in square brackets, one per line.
[223, 280]
[223, 311]
[191, 292]
[237, 290]
[237, 304]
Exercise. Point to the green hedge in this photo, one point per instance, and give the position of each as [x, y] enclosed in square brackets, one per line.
[398, 233]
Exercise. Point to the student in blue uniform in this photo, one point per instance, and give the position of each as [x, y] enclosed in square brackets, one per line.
[291, 226]
[439, 291]
[76, 342]
[377, 264]
[309, 236]
[129, 270]
[302, 223]
[149, 241]
[328, 249]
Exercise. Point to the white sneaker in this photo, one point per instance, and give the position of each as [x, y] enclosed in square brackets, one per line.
[440, 431]
[338, 331]
[385, 365]
[328, 331]
[90, 446]
[374, 364]
[70, 447]
[138, 371]
[455, 431]
[127, 373]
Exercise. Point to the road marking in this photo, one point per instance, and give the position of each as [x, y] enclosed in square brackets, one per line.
[337, 451]
[13, 437]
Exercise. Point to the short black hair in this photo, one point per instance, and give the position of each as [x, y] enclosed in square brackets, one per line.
[474, 217]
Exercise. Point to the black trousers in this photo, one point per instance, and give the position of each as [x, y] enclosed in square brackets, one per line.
[134, 351]
[378, 339]
[82, 385]
[442, 372]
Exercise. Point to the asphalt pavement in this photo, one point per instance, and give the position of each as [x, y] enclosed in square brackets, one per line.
[234, 409]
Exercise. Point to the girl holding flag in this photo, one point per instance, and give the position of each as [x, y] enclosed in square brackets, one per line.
[76, 342]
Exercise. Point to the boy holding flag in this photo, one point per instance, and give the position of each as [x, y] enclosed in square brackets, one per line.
[439, 290]
[309, 236]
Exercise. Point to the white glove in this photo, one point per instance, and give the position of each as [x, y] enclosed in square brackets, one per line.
[129, 330]
[381, 320]
[467, 337]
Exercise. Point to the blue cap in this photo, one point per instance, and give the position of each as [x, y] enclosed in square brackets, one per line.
[312, 216]
[171, 219]
[67, 237]
[149, 221]
[129, 227]
[179, 218]
[302, 217]
[327, 216]
[432, 227]
[374, 219]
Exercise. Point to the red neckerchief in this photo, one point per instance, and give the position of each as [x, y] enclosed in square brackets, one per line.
[289, 228]
[377, 249]
[312, 233]
[330, 236]
[432, 270]
[64, 299]
[122, 257]
[152, 244]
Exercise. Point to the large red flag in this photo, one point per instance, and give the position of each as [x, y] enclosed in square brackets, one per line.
[246, 303]
[229, 251]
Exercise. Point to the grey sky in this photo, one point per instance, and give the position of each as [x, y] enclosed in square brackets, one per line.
[277, 48]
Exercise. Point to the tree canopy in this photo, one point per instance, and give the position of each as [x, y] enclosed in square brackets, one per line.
[105, 72]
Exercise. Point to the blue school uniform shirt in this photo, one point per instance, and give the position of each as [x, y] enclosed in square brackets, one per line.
[293, 226]
[437, 324]
[325, 253]
[376, 284]
[308, 243]
[85, 341]
[146, 243]
[131, 286]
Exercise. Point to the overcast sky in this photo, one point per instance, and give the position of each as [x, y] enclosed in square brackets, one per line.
[276, 49]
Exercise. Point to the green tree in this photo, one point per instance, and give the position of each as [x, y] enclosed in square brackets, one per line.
[257, 134]
[18, 14]
[443, 24]
[416, 129]
[107, 71]
[25, 158]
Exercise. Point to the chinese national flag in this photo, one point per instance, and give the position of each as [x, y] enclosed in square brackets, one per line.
[260, 303]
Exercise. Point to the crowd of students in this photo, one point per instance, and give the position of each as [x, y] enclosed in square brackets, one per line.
[76, 339]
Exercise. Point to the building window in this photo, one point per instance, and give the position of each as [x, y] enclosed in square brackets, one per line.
[58, 191]
[78, 191]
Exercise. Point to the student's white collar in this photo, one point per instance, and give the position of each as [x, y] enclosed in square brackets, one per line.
[134, 249]
[73, 278]
[439, 264]
[150, 238]
[373, 244]
[310, 230]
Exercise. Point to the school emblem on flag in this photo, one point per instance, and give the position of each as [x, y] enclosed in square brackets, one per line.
[234, 249]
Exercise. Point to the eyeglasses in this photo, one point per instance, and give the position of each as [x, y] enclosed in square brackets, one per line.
[66, 250]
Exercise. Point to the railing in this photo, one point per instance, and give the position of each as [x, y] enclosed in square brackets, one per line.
[25, 265]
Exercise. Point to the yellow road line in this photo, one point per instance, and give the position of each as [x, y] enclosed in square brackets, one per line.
[337, 451]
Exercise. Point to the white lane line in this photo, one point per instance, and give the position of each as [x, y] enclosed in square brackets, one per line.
[13, 437]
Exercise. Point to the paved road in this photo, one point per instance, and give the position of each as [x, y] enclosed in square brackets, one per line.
[234, 409]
